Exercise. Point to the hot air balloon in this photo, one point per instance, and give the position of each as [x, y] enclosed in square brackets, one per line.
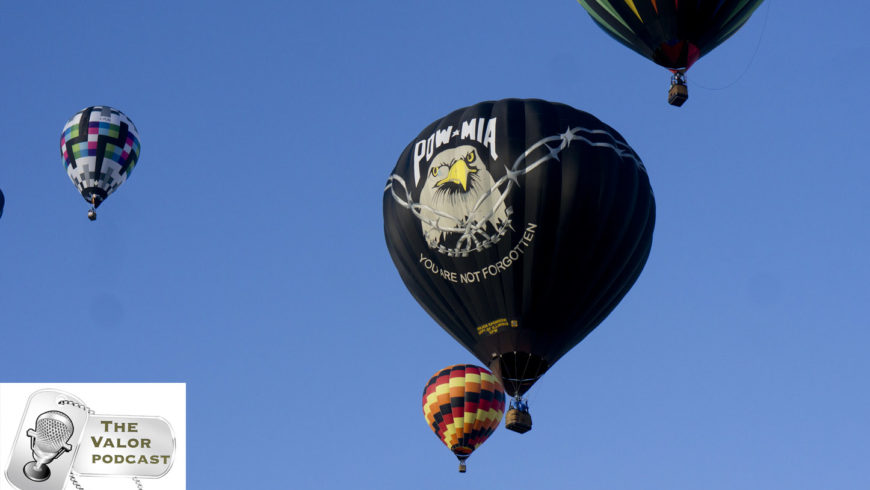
[674, 34]
[100, 148]
[518, 225]
[2, 202]
[463, 405]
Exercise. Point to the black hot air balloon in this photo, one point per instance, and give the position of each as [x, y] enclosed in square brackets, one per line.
[519, 225]
[672, 33]
[2, 202]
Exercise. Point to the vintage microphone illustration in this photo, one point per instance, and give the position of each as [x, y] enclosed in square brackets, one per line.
[48, 441]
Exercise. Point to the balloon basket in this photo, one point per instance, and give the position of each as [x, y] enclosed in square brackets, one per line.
[678, 94]
[92, 215]
[462, 467]
[518, 421]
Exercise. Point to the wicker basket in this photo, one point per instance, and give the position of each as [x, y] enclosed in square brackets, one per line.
[518, 421]
[678, 94]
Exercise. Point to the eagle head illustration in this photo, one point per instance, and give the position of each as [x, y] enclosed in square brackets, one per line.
[460, 204]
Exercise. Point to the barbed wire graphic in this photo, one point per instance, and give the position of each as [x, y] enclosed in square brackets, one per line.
[473, 235]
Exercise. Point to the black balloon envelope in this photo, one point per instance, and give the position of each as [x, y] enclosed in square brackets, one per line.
[519, 225]
[673, 34]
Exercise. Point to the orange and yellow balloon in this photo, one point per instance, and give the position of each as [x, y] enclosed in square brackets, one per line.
[463, 404]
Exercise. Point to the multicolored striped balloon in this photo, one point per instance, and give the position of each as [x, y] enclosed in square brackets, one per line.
[672, 33]
[100, 148]
[463, 404]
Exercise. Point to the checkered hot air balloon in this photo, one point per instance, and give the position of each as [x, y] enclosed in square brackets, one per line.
[100, 147]
[463, 404]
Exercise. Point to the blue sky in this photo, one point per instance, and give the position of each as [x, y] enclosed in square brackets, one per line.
[245, 256]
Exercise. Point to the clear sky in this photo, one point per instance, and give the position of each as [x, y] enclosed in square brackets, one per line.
[246, 257]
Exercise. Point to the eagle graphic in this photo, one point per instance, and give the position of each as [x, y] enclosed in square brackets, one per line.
[460, 205]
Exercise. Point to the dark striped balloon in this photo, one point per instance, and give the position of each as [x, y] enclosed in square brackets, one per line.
[463, 404]
[672, 33]
[519, 225]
